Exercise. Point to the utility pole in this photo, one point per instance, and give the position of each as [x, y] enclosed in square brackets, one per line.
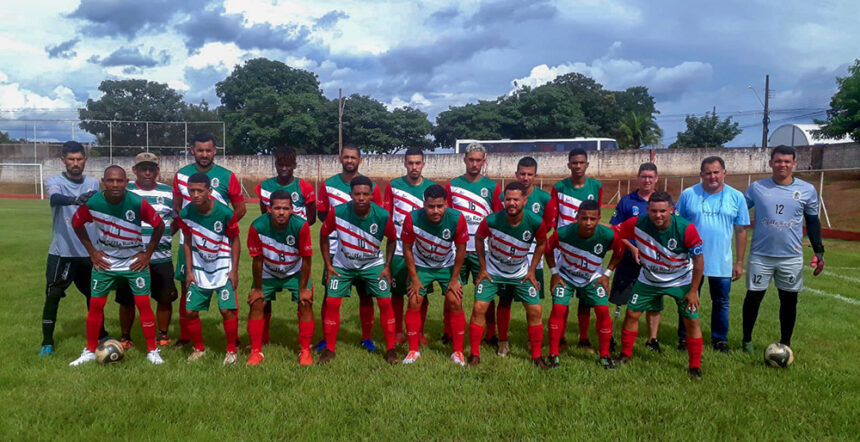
[766, 118]
[339, 121]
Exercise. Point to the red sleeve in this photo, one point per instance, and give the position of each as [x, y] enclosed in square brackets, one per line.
[82, 216]
[306, 247]
[483, 229]
[322, 205]
[691, 237]
[255, 246]
[377, 197]
[541, 232]
[186, 230]
[259, 191]
[148, 214]
[617, 246]
[177, 194]
[407, 235]
[232, 230]
[497, 199]
[551, 243]
[390, 231]
[600, 196]
[307, 191]
[462, 234]
[388, 202]
[449, 197]
[235, 190]
[627, 229]
[550, 213]
[328, 225]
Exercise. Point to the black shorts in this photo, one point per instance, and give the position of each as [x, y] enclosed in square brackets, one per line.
[163, 289]
[623, 279]
[64, 271]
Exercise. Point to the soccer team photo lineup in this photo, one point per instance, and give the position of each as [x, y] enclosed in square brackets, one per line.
[415, 240]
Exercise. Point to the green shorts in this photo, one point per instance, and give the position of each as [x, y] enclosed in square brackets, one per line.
[524, 292]
[507, 291]
[341, 286]
[428, 275]
[471, 266]
[104, 281]
[399, 276]
[197, 299]
[179, 274]
[588, 295]
[272, 286]
[649, 298]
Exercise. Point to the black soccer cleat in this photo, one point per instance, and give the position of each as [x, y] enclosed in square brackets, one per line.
[695, 373]
[606, 362]
[585, 346]
[654, 345]
[553, 361]
[540, 363]
[721, 346]
[562, 344]
[682, 344]
[446, 340]
[325, 357]
[474, 360]
[494, 341]
[622, 359]
[612, 344]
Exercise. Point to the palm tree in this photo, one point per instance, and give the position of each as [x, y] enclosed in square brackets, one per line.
[637, 130]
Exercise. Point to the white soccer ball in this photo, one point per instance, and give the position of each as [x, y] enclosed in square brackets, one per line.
[110, 352]
[778, 355]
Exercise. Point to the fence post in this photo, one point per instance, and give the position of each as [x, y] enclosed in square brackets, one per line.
[224, 137]
[147, 136]
[110, 147]
[682, 184]
[35, 154]
[185, 141]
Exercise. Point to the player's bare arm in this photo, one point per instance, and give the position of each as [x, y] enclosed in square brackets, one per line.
[740, 251]
[189, 263]
[415, 285]
[97, 257]
[306, 295]
[236, 253]
[141, 260]
[481, 251]
[239, 210]
[311, 210]
[454, 285]
[325, 251]
[538, 255]
[256, 293]
[692, 297]
[613, 264]
[390, 247]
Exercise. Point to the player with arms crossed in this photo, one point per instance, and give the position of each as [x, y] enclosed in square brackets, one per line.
[566, 196]
[669, 250]
[302, 194]
[359, 227]
[119, 255]
[782, 203]
[575, 254]
[536, 202]
[224, 187]
[212, 248]
[475, 196]
[402, 196]
[434, 248]
[280, 244]
[334, 192]
[68, 260]
[505, 265]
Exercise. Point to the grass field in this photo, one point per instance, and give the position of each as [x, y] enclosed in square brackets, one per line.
[358, 396]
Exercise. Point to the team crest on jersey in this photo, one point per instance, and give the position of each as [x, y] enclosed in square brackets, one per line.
[291, 240]
[672, 243]
[446, 234]
[590, 196]
[598, 249]
[159, 200]
[294, 196]
[373, 229]
[536, 207]
[215, 182]
[796, 195]
[527, 235]
[635, 210]
[225, 295]
[601, 292]
[532, 292]
[383, 284]
[218, 226]
[129, 215]
[140, 282]
[485, 192]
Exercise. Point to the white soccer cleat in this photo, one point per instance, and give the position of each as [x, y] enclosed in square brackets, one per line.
[458, 358]
[86, 356]
[196, 355]
[230, 359]
[155, 357]
[411, 357]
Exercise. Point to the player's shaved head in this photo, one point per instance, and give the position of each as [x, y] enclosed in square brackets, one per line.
[199, 178]
[114, 170]
[589, 205]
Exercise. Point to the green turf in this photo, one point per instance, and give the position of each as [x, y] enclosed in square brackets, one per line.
[359, 396]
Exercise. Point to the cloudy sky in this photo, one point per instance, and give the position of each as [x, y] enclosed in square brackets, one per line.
[438, 53]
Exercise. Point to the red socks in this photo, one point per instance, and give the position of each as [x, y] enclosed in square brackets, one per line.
[195, 333]
[564, 324]
[323, 309]
[95, 316]
[184, 333]
[476, 332]
[503, 319]
[491, 320]
[386, 320]
[231, 331]
[306, 333]
[147, 320]
[604, 328]
[694, 349]
[556, 325]
[256, 329]
[365, 313]
[628, 338]
[397, 305]
[457, 326]
[583, 314]
[267, 318]
[331, 323]
[536, 339]
[413, 323]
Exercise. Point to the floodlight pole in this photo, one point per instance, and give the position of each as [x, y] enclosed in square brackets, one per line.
[766, 118]
[339, 120]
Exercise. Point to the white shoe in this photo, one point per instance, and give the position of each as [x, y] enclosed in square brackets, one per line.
[155, 357]
[230, 359]
[86, 356]
[196, 355]
[411, 357]
[458, 358]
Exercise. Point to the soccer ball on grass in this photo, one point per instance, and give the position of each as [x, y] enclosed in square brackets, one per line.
[109, 352]
[778, 355]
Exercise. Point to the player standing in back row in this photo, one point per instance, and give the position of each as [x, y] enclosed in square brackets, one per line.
[302, 194]
[566, 196]
[402, 196]
[782, 203]
[225, 188]
[475, 196]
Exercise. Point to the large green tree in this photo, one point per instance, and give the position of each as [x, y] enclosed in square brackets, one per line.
[481, 120]
[598, 104]
[411, 128]
[548, 111]
[843, 117]
[638, 130]
[707, 131]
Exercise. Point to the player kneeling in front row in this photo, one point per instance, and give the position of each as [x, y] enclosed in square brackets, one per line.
[575, 254]
[505, 264]
[212, 248]
[120, 255]
[434, 248]
[669, 250]
[280, 244]
[359, 227]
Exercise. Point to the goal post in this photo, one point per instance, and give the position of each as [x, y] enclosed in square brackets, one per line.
[13, 176]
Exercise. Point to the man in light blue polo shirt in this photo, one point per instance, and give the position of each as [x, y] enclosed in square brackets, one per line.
[717, 210]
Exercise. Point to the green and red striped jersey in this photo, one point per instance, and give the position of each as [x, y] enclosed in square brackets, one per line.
[433, 244]
[566, 198]
[225, 186]
[301, 192]
[580, 260]
[665, 255]
[359, 238]
[161, 199]
[333, 193]
[401, 198]
[475, 201]
[508, 246]
[211, 253]
[282, 250]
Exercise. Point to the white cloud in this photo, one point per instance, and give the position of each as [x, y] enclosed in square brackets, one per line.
[13, 96]
[216, 54]
[417, 101]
